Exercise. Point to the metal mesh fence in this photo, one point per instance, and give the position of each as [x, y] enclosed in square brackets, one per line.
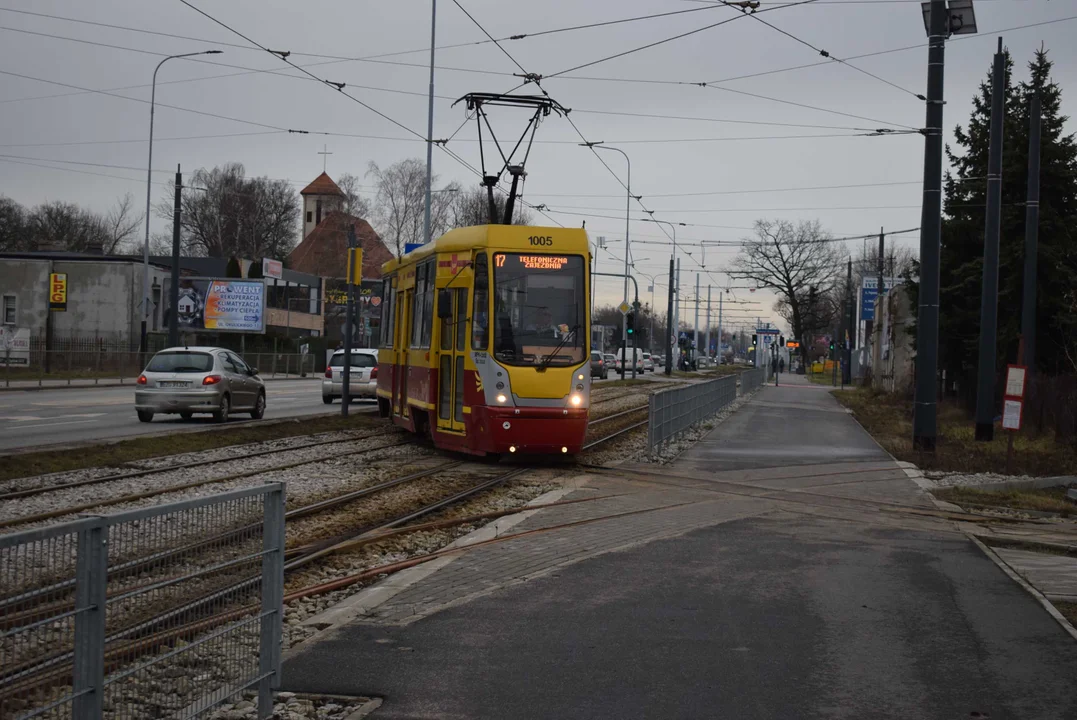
[751, 380]
[159, 612]
[674, 411]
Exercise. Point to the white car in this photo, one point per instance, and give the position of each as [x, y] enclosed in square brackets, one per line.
[648, 362]
[363, 380]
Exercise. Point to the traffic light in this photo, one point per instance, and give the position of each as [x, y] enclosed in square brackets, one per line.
[831, 346]
[755, 340]
[781, 341]
[630, 323]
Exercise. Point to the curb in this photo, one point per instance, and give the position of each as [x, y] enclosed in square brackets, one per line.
[1040, 598]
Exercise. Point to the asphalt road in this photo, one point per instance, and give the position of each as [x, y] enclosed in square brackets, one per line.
[32, 418]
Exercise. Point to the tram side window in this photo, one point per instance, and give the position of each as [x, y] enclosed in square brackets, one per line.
[388, 308]
[423, 306]
[479, 314]
[428, 303]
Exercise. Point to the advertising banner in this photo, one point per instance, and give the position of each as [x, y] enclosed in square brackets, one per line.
[272, 268]
[222, 305]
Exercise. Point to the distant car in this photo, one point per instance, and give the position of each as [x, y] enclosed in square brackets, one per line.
[598, 366]
[648, 362]
[659, 360]
[611, 361]
[362, 380]
[189, 380]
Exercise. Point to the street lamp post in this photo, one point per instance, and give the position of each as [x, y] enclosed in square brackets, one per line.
[143, 347]
[650, 331]
[940, 22]
[628, 251]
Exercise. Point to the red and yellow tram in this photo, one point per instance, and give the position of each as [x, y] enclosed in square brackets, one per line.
[485, 340]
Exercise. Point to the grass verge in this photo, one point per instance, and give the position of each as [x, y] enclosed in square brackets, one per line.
[1068, 610]
[888, 417]
[113, 454]
[1051, 500]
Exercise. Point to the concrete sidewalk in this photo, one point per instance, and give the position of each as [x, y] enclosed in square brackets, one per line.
[774, 571]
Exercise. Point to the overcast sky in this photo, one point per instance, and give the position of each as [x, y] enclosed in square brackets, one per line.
[691, 146]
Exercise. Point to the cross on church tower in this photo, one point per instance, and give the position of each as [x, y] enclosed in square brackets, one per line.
[324, 152]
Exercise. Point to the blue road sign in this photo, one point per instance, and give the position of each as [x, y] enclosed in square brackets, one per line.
[408, 247]
[868, 292]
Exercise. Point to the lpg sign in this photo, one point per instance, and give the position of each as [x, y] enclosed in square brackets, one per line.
[58, 291]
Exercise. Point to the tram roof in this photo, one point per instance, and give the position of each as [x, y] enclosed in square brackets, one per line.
[503, 237]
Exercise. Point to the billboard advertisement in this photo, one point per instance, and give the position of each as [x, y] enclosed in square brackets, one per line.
[221, 305]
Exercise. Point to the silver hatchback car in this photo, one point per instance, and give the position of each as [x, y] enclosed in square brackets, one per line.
[362, 380]
[189, 380]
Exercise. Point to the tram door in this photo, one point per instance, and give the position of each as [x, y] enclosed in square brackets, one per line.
[451, 363]
[403, 341]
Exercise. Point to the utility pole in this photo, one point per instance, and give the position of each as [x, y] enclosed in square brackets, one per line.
[173, 290]
[879, 292]
[695, 322]
[846, 344]
[720, 294]
[430, 125]
[925, 420]
[677, 303]
[708, 340]
[1032, 228]
[345, 392]
[985, 386]
[669, 322]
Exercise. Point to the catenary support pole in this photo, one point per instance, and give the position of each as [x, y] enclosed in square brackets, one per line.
[721, 293]
[430, 125]
[695, 323]
[670, 330]
[349, 316]
[1032, 229]
[985, 380]
[707, 347]
[173, 288]
[925, 421]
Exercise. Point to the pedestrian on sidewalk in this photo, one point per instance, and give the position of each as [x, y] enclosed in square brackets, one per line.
[781, 365]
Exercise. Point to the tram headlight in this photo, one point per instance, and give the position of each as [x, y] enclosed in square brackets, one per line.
[580, 376]
[501, 398]
[579, 388]
[576, 399]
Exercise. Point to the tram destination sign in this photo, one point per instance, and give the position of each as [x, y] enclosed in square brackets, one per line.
[530, 262]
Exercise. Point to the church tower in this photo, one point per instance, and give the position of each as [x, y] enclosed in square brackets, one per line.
[320, 198]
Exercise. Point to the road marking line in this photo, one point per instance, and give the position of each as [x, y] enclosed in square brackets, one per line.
[53, 424]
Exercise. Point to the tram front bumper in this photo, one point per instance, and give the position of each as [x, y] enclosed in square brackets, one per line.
[534, 430]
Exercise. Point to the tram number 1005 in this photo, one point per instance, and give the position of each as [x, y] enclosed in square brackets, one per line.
[541, 240]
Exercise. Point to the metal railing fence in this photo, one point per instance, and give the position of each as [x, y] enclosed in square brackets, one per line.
[751, 380]
[165, 611]
[671, 412]
[97, 366]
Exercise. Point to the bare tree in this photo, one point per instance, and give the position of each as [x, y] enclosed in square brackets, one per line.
[791, 260]
[354, 203]
[225, 214]
[400, 203]
[472, 207]
[121, 225]
[65, 226]
[13, 232]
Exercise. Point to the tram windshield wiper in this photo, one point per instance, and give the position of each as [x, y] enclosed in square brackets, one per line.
[549, 358]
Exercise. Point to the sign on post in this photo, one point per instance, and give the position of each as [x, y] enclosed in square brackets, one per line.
[624, 307]
[1014, 397]
[58, 292]
[869, 293]
[1011, 414]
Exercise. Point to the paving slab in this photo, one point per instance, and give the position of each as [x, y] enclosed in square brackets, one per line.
[1053, 575]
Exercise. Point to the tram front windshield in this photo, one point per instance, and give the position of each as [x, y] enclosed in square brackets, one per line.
[539, 301]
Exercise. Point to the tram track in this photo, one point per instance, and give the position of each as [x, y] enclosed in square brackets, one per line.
[146, 635]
